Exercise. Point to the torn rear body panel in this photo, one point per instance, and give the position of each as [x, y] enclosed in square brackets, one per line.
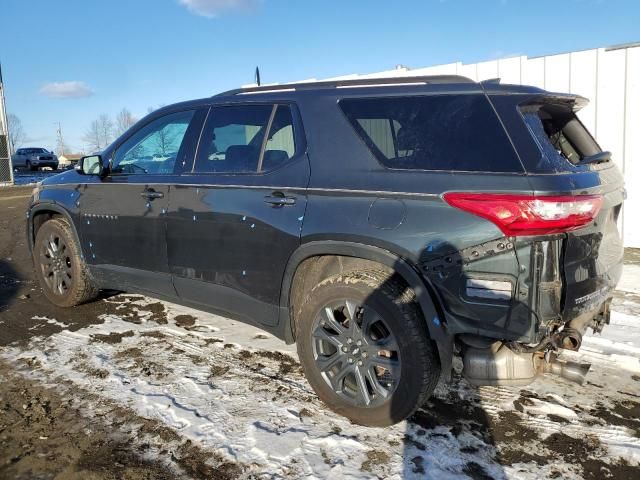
[565, 279]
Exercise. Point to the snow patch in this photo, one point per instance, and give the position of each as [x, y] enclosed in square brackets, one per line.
[217, 382]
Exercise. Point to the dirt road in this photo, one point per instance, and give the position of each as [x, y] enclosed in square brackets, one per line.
[130, 387]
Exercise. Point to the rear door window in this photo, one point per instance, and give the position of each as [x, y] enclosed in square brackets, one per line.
[280, 145]
[438, 132]
[246, 139]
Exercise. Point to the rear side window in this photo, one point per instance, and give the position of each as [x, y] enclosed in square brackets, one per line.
[439, 132]
[246, 139]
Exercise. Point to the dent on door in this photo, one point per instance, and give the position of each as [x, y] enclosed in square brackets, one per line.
[122, 229]
[228, 246]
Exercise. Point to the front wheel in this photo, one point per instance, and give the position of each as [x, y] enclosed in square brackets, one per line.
[60, 269]
[364, 347]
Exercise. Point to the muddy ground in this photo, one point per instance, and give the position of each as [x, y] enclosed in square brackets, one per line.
[44, 431]
[51, 427]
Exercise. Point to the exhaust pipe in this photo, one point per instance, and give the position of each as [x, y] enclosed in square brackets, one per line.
[499, 365]
[572, 371]
[569, 339]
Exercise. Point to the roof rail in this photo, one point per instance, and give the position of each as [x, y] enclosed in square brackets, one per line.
[352, 82]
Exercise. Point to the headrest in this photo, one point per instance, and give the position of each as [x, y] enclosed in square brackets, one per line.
[241, 158]
[273, 159]
[406, 139]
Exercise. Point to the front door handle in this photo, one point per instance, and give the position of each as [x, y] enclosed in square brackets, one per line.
[279, 199]
[150, 194]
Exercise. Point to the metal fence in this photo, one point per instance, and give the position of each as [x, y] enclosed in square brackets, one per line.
[6, 169]
[6, 173]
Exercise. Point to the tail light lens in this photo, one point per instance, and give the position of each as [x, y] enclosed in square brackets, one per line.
[520, 215]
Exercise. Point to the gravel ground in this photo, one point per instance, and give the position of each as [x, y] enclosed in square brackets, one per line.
[130, 387]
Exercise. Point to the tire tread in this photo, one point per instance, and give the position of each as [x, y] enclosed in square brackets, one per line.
[84, 288]
[415, 328]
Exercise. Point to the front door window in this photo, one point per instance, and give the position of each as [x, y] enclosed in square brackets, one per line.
[154, 148]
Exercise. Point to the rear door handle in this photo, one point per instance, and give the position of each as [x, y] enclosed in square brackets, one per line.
[279, 199]
[150, 194]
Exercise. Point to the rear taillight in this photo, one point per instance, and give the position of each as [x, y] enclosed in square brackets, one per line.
[519, 215]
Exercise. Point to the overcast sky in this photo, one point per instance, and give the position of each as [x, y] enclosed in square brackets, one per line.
[71, 60]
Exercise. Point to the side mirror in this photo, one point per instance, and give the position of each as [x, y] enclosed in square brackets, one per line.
[91, 165]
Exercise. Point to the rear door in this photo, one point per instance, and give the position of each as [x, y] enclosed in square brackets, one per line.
[235, 218]
[123, 215]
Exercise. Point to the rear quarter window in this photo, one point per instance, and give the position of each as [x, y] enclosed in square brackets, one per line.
[438, 132]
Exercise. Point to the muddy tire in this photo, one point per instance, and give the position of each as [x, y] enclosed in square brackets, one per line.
[365, 349]
[60, 268]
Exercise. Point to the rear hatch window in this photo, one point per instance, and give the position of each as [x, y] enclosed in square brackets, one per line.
[561, 136]
[437, 132]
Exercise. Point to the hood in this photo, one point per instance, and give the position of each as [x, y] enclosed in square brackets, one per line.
[66, 177]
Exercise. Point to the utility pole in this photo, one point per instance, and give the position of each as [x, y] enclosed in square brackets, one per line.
[60, 140]
[6, 169]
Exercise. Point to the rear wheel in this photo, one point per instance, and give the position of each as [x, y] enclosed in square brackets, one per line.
[60, 269]
[365, 349]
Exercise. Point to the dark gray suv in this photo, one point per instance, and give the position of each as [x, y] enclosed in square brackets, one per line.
[34, 158]
[382, 225]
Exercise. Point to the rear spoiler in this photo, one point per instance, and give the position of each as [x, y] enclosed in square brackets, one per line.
[576, 102]
[599, 157]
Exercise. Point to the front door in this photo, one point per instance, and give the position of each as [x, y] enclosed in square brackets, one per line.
[235, 219]
[123, 216]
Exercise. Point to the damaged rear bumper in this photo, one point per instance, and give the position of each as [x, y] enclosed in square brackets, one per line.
[537, 309]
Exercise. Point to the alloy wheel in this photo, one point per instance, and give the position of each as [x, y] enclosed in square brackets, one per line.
[356, 353]
[55, 262]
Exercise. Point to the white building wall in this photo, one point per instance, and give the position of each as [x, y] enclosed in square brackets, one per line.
[631, 148]
[608, 77]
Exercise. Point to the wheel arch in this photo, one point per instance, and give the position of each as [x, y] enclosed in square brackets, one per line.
[38, 214]
[368, 254]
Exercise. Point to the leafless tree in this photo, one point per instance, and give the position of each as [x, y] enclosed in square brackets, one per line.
[99, 133]
[124, 120]
[92, 137]
[105, 126]
[165, 140]
[151, 108]
[17, 134]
